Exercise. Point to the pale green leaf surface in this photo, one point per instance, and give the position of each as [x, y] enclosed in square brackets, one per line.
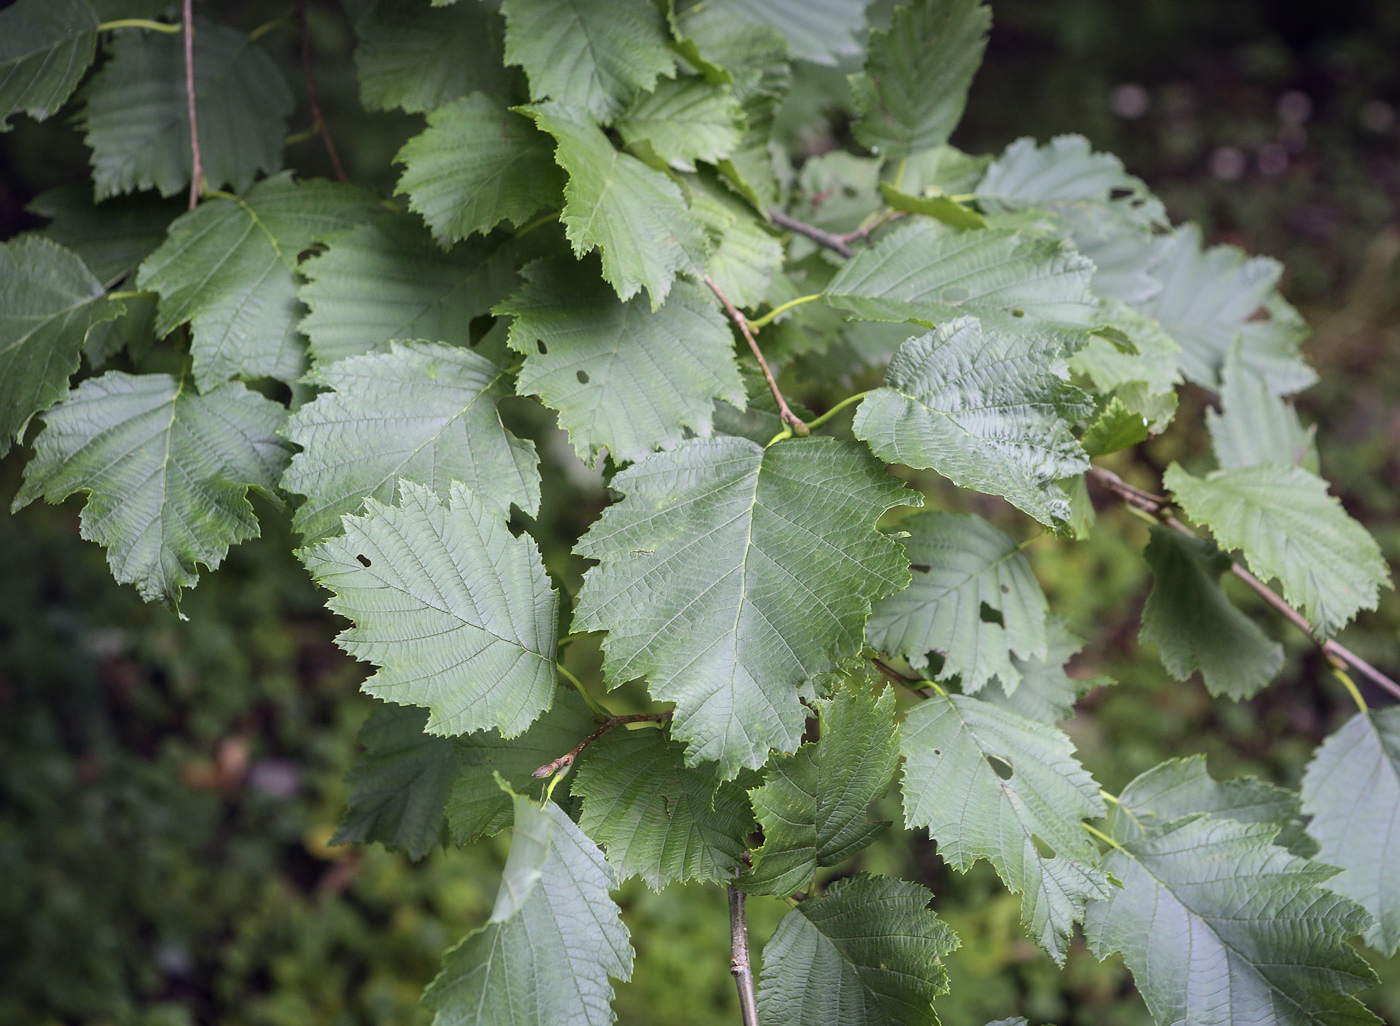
[1116, 427]
[1066, 177]
[136, 117]
[624, 377]
[167, 472]
[746, 256]
[1045, 693]
[685, 120]
[963, 565]
[820, 31]
[418, 56]
[1256, 426]
[1145, 381]
[113, 236]
[1027, 824]
[1352, 792]
[423, 412]
[943, 169]
[1269, 346]
[457, 613]
[866, 952]
[940, 208]
[553, 939]
[45, 47]
[1289, 527]
[986, 410]
[731, 575]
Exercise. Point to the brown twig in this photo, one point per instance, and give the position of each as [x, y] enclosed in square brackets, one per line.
[789, 418]
[1161, 509]
[317, 119]
[835, 243]
[196, 163]
[739, 965]
[861, 234]
[567, 759]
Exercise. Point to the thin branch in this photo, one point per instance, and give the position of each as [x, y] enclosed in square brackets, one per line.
[567, 759]
[832, 242]
[789, 418]
[316, 119]
[196, 163]
[879, 220]
[739, 965]
[1159, 508]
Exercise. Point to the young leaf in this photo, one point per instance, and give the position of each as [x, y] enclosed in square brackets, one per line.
[553, 939]
[914, 87]
[867, 951]
[457, 613]
[974, 599]
[658, 818]
[45, 46]
[112, 237]
[244, 318]
[821, 31]
[684, 120]
[1117, 427]
[1144, 380]
[137, 117]
[635, 216]
[49, 302]
[812, 804]
[986, 410]
[388, 280]
[940, 208]
[478, 164]
[423, 412]
[1046, 693]
[1220, 925]
[594, 57]
[1256, 426]
[731, 575]
[1352, 792]
[1066, 177]
[931, 273]
[624, 376]
[991, 784]
[1289, 527]
[1195, 626]
[167, 472]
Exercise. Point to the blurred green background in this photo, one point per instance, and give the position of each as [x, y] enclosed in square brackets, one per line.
[167, 788]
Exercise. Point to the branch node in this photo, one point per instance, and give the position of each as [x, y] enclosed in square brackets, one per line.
[792, 420]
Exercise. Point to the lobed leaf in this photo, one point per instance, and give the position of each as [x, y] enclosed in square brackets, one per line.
[746, 257]
[45, 47]
[684, 120]
[1045, 693]
[1256, 426]
[820, 31]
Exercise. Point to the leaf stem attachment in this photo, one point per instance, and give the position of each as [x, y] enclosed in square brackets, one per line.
[1352, 689]
[817, 422]
[778, 311]
[169, 28]
[792, 420]
[609, 722]
[598, 710]
[1095, 831]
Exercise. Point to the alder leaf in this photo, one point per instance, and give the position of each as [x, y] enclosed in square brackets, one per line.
[49, 302]
[731, 575]
[423, 412]
[244, 318]
[812, 804]
[1352, 792]
[868, 951]
[633, 215]
[991, 784]
[624, 376]
[913, 90]
[1194, 624]
[45, 47]
[595, 57]
[457, 613]
[684, 120]
[553, 939]
[986, 410]
[167, 472]
[820, 31]
[974, 599]
[1288, 527]
[1045, 693]
[136, 115]
[475, 165]
[1256, 426]
[656, 817]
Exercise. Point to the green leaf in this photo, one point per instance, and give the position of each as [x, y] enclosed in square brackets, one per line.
[423, 412]
[732, 575]
[821, 31]
[457, 613]
[1269, 346]
[399, 784]
[836, 191]
[1046, 693]
[867, 951]
[167, 472]
[1195, 626]
[912, 92]
[49, 302]
[112, 237]
[419, 57]
[974, 599]
[746, 257]
[986, 410]
[635, 216]
[1256, 426]
[244, 318]
[553, 939]
[930, 273]
[592, 56]
[991, 784]
[1289, 527]
[45, 47]
[476, 165]
[657, 818]
[1116, 427]
[1145, 380]
[1066, 177]
[812, 804]
[1352, 792]
[941, 208]
[136, 116]
[623, 376]
[1219, 925]
[387, 280]
[943, 169]
[685, 120]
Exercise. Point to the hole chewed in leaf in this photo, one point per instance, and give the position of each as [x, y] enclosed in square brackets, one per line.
[990, 615]
[582, 377]
[1001, 767]
[544, 349]
[364, 560]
